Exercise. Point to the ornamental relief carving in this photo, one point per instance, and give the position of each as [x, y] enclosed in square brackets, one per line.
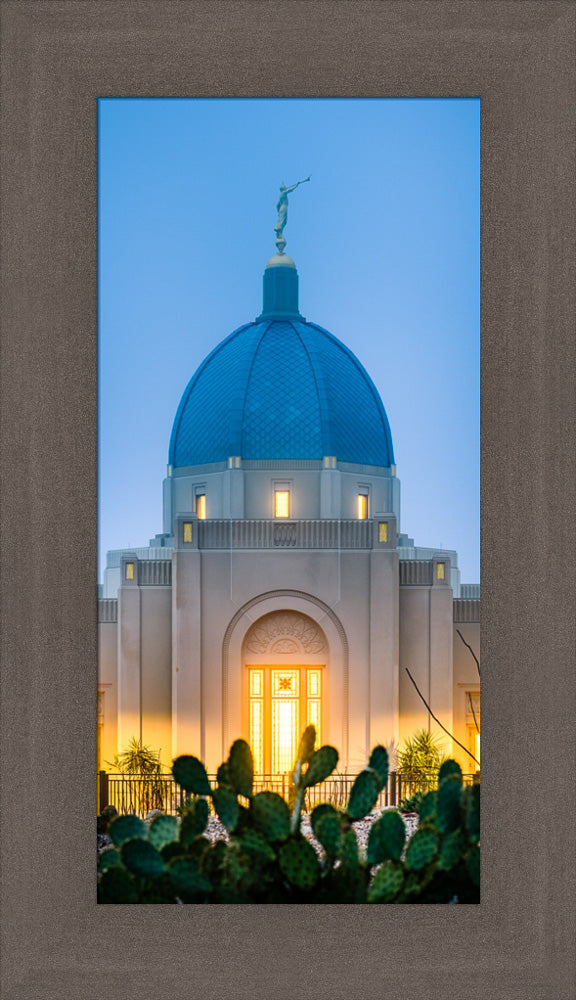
[285, 632]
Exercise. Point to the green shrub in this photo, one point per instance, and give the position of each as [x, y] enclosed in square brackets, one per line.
[267, 858]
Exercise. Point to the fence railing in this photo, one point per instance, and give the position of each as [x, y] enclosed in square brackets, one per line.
[139, 794]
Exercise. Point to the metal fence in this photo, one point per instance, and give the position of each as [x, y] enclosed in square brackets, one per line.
[139, 794]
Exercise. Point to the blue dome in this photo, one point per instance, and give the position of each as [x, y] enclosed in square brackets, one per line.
[281, 389]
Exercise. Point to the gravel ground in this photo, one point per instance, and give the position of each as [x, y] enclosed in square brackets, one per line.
[215, 831]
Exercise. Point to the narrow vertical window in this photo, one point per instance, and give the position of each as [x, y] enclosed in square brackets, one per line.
[187, 531]
[440, 570]
[201, 506]
[281, 503]
[362, 506]
[383, 531]
[129, 573]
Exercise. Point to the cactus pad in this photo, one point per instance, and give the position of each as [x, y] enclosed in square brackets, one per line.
[329, 833]
[472, 803]
[194, 821]
[125, 827]
[427, 807]
[349, 851]
[271, 815]
[448, 801]
[306, 745]
[299, 863]
[449, 769]
[422, 849]
[141, 858]
[451, 850]
[256, 845]
[363, 794]
[186, 877]
[386, 838]
[323, 809]
[379, 763]
[226, 805]
[322, 763]
[163, 830]
[387, 883]
[109, 859]
[190, 773]
[241, 768]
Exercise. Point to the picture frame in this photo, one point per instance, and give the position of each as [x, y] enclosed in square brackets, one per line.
[59, 58]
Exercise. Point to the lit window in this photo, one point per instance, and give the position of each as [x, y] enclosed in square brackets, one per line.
[234, 462]
[187, 531]
[362, 506]
[129, 574]
[477, 747]
[440, 571]
[281, 503]
[383, 531]
[200, 506]
[329, 462]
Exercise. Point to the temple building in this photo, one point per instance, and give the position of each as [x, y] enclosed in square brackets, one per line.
[281, 590]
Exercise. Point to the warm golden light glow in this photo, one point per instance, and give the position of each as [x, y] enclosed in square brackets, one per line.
[383, 531]
[129, 571]
[281, 702]
[281, 503]
[362, 506]
[187, 531]
[440, 571]
[477, 748]
[201, 506]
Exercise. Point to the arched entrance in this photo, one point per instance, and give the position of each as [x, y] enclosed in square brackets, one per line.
[284, 656]
[236, 657]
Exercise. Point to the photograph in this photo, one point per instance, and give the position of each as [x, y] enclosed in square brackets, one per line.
[289, 500]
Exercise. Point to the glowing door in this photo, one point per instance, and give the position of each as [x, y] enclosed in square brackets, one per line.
[282, 701]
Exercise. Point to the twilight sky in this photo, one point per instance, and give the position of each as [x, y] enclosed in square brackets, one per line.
[386, 241]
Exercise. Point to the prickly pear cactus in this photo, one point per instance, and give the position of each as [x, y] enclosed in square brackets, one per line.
[427, 809]
[387, 883]
[186, 877]
[271, 815]
[190, 773]
[451, 850]
[448, 804]
[299, 863]
[386, 838]
[163, 830]
[241, 768]
[322, 809]
[422, 849]
[306, 745]
[226, 806]
[379, 763]
[363, 794]
[329, 833]
[349, 854]
[194, 821]
[109, 858]
[255, 844]
[125, 827]
[322, 763]
[472, 812]
[141, 858]
[449, 769]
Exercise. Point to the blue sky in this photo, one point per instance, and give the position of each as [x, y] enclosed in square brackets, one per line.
[386, 241]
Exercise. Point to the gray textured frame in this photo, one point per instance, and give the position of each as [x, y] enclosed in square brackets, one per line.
[58, 57]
